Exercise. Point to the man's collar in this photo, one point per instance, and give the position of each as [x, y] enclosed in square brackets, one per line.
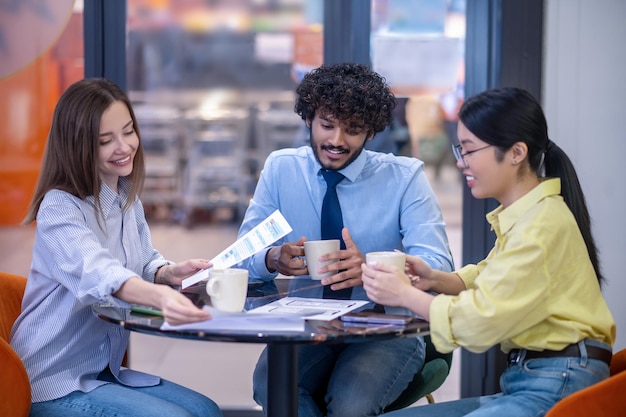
[352, 171]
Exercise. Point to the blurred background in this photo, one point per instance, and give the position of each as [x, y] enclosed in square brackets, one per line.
[212, 84]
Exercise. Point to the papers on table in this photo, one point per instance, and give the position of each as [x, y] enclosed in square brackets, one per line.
[265, 233]
[309, 308]
[287, 314]
[243, 322]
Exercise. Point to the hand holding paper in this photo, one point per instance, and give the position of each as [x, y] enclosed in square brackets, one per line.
[263, 235]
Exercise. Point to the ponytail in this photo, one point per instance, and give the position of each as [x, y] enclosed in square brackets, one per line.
[502, 117]
[558, 164]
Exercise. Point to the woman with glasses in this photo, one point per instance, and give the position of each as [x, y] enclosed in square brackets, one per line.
[537, 294]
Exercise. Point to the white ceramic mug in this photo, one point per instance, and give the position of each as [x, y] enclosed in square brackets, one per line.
[313, 249]
[228, 289]
[394, 258]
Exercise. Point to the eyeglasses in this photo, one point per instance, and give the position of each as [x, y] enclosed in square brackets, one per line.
[457, 150]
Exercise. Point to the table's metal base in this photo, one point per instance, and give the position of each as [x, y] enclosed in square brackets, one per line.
[282, 363]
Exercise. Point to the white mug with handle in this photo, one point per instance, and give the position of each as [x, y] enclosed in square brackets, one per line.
[228, 289]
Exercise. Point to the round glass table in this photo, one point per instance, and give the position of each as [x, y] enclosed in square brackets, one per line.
[281, 345]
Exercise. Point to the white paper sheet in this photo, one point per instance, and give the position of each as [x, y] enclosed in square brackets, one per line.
[309, 308]
[286, 314]
[243, 322]
[264, 234]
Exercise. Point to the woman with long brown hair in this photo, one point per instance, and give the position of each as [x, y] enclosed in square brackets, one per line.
[92, 244]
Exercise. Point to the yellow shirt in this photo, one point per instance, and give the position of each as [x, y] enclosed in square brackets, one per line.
[536, 289]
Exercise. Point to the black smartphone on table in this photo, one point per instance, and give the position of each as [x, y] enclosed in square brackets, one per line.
[370, 317]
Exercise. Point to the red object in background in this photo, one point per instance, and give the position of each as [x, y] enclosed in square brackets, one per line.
[28, 95]
[26, 105]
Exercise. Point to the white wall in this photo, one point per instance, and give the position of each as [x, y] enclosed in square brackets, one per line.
[585, 103]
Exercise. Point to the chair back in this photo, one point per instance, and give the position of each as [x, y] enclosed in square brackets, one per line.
[15, 395]
[12, 289]
[434, 372]
[618, 362]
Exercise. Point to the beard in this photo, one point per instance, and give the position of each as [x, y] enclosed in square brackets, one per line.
[317, 150]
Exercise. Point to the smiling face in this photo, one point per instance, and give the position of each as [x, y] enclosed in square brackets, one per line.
[118, 144]
[488, 174]
[335, 146]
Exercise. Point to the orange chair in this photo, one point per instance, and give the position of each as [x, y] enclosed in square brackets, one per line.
[604, 399]
[14, 384]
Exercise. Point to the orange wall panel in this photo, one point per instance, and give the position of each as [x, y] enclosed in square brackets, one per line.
[26, 106]
[42, 56]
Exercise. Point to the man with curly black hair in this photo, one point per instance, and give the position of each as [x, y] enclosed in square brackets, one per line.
[386, 203]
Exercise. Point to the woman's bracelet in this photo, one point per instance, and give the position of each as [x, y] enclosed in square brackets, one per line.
[156, 273]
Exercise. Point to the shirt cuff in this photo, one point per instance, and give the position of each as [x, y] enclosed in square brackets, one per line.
[440, 326]
[468, 274]
[260, 267]
[149, 273]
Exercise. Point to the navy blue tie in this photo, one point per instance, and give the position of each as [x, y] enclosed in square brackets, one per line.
[332, 223]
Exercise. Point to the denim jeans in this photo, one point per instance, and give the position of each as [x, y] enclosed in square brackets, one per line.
[116, 400]
[529, 389]
[345, 380]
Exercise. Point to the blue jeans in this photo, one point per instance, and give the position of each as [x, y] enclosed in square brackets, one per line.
[116, 400]
[529, 389]
[345, 380]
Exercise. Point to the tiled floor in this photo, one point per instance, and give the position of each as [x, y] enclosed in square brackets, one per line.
[222, 370]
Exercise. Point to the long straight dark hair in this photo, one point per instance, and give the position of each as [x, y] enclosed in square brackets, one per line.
[70, 160]
[501, 117]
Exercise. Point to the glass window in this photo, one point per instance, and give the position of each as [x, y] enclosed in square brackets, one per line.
[215, 80]
[418, 45]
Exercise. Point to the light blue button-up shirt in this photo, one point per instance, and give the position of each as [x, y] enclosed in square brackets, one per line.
[76, 263]
[386, 201]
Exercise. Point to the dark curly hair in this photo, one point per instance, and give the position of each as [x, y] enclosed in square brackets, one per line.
[352, 93]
